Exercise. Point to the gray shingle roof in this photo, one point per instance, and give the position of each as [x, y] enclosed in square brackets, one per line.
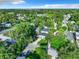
[20, 58]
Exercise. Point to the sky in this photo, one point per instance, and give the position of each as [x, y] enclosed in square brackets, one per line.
[28, 4]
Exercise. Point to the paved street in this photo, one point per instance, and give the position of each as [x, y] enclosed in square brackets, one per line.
[32, 46]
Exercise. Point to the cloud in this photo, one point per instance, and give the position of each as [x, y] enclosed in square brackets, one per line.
[46, 6]
[2, 1]
[18, 2]
[54, 6]
[12, 1]
[60, 6]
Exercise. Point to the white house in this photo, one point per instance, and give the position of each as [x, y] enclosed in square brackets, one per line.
[70, 36]
[45, 27]
[37, 30]
[72, 22]
[21, 57]
[67, 17]
[77, 39]
[6, 24]
[3, 38]
[41, 15]
[64, 25]
[55, 25]
[55, 33]
[52, 52]
[43, 33]
[77, 35]
[20, 16]
[65, 21]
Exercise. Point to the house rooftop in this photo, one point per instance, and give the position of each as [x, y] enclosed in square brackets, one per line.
[11, 41]
[6, 24]
[43, 34]
[3, 38]
[72, 22]
[77, 35]
[44, 31]
[45, 27]
[21, 57]
[41, 14]
[70, 36]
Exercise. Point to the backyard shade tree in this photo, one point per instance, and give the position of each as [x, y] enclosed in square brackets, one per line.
[57, 42]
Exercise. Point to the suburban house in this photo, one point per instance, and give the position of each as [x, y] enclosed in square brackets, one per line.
[22, 57]
[65, 21]
[43, 33]
[70, 36]
[42, 15]
[20, 16]
[6, 24]
[77, 39]
[67, 17]
[55, 25]
[7, 40]
[37, 30]
[56, 33]
[52, 52]
[4, 38]
[72, 22]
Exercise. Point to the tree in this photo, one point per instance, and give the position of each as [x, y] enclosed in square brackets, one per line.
[58, 41]
[33, 55]
[22, 33]
[41, 52]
